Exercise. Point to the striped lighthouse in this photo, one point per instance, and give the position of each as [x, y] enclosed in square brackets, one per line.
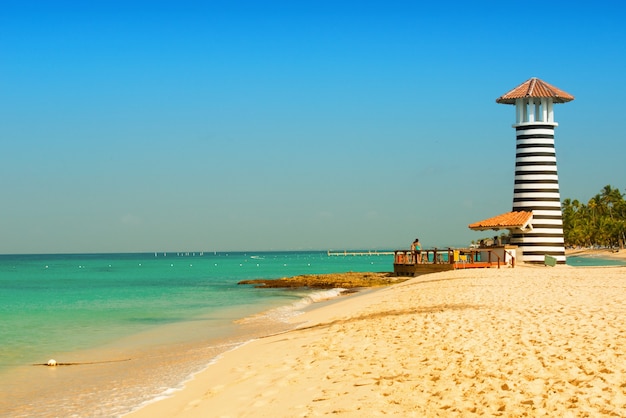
[536, 186]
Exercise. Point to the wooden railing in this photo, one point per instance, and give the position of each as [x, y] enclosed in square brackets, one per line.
[447, 256]
[432, 256]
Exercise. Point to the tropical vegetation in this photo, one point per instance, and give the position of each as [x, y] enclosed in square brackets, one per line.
[600, 222]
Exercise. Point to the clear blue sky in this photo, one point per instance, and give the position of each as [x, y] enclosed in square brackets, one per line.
[288, 125]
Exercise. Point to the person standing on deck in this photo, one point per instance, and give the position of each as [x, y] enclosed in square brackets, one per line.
[416, 249]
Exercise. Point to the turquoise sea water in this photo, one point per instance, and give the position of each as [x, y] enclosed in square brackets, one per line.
[593, 261]
[138, 324]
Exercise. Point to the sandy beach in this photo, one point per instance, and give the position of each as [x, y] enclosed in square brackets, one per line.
[529, 341]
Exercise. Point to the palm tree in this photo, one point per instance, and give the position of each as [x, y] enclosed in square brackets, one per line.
[602, 221]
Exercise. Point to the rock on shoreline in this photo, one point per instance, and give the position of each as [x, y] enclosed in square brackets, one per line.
[348, 280]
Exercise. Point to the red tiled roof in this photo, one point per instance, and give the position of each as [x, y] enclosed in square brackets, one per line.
[534, 87]
[517, 219]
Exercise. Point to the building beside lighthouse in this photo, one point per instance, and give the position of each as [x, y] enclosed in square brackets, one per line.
[535, 222]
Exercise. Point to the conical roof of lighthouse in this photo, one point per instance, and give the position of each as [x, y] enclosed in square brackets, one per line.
[535, 87]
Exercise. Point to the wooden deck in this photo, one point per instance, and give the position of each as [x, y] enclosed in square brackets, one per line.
[419, 269]
[407, 263]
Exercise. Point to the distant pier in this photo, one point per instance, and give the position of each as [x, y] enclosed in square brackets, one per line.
[346, 253]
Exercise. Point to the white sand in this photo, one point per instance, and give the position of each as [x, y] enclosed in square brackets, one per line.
[529, 341]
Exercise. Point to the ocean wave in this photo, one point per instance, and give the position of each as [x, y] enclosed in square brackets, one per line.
[286, 312]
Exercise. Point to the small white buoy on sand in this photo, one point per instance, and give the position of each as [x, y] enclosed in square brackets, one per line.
[52, 362]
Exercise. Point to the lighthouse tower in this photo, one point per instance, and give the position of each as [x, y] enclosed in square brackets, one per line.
[536, 187]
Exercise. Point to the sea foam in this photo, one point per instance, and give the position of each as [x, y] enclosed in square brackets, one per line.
[286, 312]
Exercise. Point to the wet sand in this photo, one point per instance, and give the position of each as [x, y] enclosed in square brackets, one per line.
[528, 341]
